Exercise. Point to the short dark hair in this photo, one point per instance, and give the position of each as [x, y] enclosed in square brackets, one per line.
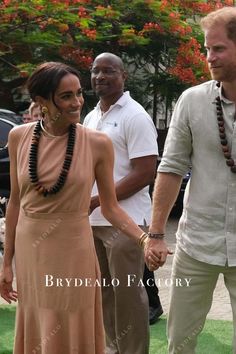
[46, 78]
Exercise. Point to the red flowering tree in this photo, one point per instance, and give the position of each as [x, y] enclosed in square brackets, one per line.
[159, 40]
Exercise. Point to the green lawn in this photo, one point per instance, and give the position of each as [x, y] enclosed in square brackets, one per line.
[215, 339]
[7, 319]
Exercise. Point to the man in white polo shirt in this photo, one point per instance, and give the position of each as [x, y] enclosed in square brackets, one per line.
[125, 306]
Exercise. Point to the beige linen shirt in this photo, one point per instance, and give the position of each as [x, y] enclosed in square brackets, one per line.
[207, 228]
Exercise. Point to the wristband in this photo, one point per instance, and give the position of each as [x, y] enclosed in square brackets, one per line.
[157, 236]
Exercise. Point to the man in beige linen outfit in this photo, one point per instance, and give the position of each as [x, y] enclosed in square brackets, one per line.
[202, 135]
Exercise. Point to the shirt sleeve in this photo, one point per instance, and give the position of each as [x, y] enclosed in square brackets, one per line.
[178, 145]
[86, 119]
[141, 136]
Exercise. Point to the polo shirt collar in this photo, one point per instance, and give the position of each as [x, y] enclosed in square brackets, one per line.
[120, 102]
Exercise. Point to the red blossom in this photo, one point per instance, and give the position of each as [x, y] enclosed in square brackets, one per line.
[39, 7]
[81, 1]
[189, 56]
[184, 74]
[151, 26]
[107, 12]
[81, 57]
[77, 24]
[179, 29]
[174, 15]
[82, 11]
[90, 33]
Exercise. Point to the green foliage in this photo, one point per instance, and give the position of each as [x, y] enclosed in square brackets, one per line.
[149, 33]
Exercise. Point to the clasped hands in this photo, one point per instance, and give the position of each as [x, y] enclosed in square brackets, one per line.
[155, 253]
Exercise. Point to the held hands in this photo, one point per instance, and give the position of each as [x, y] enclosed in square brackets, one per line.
[94, 203]
[155, 253]
[6, 290]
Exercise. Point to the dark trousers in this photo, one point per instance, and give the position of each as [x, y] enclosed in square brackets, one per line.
[152, 291]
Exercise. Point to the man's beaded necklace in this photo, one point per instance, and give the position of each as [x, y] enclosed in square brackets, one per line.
[223, 139]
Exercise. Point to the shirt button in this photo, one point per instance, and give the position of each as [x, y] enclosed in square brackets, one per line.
[230, 209]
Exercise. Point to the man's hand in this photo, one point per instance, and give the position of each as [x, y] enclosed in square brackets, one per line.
[156, 252]
[94, 203]
[6, 290]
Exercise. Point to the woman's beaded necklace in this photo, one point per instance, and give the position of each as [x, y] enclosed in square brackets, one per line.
[223, 139]
[33, 161]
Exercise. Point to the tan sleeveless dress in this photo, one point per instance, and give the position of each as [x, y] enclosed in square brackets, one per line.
[59, 306]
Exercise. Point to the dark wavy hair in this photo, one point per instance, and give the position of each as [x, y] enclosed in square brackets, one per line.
[46, 78]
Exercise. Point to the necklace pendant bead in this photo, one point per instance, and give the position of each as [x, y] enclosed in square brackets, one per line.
[223, 139]
[230, 162]
[224, 142]
[227, 155]
[225, 149]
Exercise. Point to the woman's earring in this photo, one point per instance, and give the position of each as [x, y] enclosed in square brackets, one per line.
[57, 116]
[44, 111]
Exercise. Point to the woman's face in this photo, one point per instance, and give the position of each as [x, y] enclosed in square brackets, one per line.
[68, 99]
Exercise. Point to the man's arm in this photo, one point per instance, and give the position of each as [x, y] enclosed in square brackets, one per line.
[166, 189]
[142, 174]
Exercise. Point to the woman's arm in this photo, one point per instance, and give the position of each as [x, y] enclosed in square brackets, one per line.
[104, 178]
[6, 275]
[109, 205]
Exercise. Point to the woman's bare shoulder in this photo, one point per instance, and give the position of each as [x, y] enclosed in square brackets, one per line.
[17, 132]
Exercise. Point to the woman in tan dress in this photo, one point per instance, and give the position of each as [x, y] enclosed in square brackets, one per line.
[54, 164]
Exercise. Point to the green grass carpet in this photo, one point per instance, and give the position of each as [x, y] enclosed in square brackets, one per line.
[7, 320]
[216, 337]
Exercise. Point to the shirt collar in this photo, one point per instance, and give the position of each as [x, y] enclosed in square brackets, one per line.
[222, 97]
[120, 102]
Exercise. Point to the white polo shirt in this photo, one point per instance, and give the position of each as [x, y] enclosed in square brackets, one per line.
[133, 135]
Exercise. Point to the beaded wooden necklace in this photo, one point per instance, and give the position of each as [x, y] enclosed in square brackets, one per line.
[33, 160]
[223, 139]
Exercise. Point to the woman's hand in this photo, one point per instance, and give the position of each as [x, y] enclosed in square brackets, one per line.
[6, 290]
[155, 252]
